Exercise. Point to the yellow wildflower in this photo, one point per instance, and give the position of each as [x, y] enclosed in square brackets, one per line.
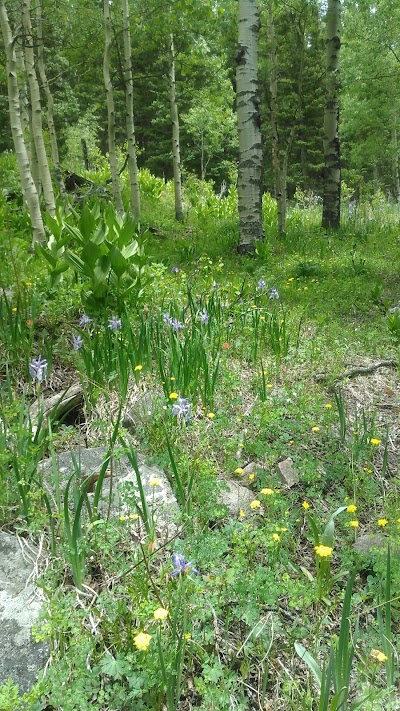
[323, 551]
[305, 505]
[276, 537]
[379, 656]
[172, 378]
[173, 396]
[354, 523]
[315, 429]
[210, 415]
[255, 504]
[160, 614]
[242, 513]
[267, 492]
[187, 635]
[153, 481]
[134, 517]
[142, 641]
[375, 441]
[238, 470]
[138, 368]
[351, 508]
[123, 518]
[251, 477]
[328, 406]
[383, 522]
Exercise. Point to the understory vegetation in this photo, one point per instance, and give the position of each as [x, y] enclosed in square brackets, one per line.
[293, 601]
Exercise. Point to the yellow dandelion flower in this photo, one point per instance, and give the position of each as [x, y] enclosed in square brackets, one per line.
[240, 444]
[379, 656]
[276, 537]
[172, 378]
[323, 551]
[328, 406]
[134, 517]
[375, 441]
[123, 518]
[14, 309]
[242, 513]
[138, 368]
[238, 470]
[142, 641]
[351, 508]
[210, 415]
[269, 385]
[267, 492]
[354, 523]
[153, 481]
[255, 504]
[187, 635]
[382, 522]
[173, 396]
[315, 429]
[251, 477]
[283, 529]
[160, 614]
[305, 505]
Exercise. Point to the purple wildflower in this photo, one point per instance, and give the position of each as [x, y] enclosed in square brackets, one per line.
[175, 270]
[204, 318]
[182, 408]
[77, 342]
[84, 321]
[273, 294]
[176, 325]
[261, 286]
[181, 565]
[167, 318]
[38, 369]
[114, 324]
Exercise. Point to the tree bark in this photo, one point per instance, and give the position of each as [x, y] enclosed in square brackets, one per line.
[112, 155]
[332, 170]
[37, 126]
[130, 124]
[28, 186]
[49, 98]
[176, 151]
[250, 145]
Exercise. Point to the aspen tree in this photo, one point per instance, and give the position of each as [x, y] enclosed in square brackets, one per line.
[130, 124]
[36, 108]
[28, 186]
[250, 147]
[332, 170]
[176, 151]
[110, 109]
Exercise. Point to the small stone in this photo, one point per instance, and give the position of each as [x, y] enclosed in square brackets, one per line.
[288, 473]
[236, 497]
[249, 469]
[142, 411]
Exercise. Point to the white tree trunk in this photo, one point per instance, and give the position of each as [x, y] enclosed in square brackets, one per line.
[49, 98]
[176, 151]
[28, 186]
[332, 170]
[111, 110]
[37, 127]
[130, 124]
[250, 147]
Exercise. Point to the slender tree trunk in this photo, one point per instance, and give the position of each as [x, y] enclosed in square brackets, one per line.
[49, 98]
[395, 159]
[23, 89]
[37, 127]
[332, 177]
[111, 110]
[273, 90]
[250, 145]
[130, 124]
[28, 186]
[176, 151]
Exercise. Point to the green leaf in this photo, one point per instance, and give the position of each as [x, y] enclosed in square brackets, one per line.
[310, 661]
[116, 668]
[77, 264]
[102, 269]
[87, 222]
[118, 262]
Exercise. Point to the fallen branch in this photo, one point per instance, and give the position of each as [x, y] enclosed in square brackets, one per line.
[359, 370]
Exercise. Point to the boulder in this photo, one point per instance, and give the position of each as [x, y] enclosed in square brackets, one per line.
[119, 484]
[21, 657]
[288, 473]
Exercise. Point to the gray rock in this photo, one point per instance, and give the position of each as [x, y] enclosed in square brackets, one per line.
[250, 468]
[370, 541]
[59, 404]
[120, 486]
[21, 657]
[288, 473]
[236, 497]
[143, 410]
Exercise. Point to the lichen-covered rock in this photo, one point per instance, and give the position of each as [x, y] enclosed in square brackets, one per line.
[21, 657]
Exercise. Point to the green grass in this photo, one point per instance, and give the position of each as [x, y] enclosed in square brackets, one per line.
[261, 588]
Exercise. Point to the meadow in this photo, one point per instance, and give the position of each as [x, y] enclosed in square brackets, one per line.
[290, 354]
